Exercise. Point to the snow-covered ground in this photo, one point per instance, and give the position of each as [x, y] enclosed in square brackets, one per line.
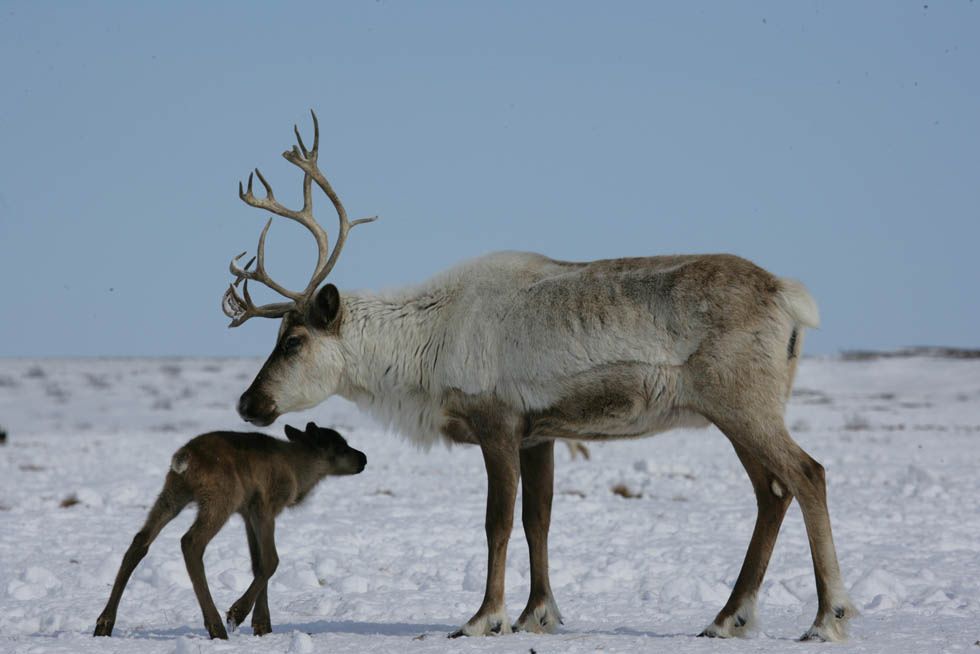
[393, 559]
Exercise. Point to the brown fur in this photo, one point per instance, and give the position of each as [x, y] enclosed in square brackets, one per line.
[251, 474]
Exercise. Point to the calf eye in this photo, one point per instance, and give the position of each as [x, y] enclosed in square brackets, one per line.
[292, 343]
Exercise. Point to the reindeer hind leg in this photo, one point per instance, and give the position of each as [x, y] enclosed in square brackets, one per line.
[737, 616]
[803, 478]
[171, 501]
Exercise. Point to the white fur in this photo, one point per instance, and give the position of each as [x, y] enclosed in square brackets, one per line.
[179, 462]
[529, 332]
[483, 625]
[730, 627]
[312, 378]
[542, 619]
[798, 303]
[828, 627]
[477, 329]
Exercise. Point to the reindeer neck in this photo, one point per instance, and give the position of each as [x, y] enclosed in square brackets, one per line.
[393, 343]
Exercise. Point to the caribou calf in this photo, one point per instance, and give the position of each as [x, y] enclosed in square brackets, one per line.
[254, 475]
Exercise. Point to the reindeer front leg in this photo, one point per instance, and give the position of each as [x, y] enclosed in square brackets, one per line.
[541, 614]
[502, 459]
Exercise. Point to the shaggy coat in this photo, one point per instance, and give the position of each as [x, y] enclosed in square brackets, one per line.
[513, 350]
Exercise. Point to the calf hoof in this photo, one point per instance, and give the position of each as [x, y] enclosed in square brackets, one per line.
[103, 626]
[233, 618]
[216, 630]
[261, 628]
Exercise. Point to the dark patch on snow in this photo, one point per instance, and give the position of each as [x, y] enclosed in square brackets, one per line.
[910, 352]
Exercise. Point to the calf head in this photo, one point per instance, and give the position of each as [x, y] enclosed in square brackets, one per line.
[333, 454]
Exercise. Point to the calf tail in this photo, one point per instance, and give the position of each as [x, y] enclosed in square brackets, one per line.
[180, 461]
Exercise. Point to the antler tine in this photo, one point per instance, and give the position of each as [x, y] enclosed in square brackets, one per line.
[316, 133]
[306, 160]
[260, 274]
[240, 310]
[299, 140]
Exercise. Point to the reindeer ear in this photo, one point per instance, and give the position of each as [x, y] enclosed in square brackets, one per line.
[326, 306]
[294, 434]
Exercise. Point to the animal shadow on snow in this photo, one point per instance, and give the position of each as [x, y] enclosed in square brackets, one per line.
[312, 628]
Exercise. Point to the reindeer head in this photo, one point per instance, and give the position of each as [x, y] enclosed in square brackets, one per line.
[306, 364]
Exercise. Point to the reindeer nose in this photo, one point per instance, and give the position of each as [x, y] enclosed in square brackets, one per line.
[256, 409]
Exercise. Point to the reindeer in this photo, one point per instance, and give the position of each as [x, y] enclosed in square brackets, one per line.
[513, 350]
[254, 475]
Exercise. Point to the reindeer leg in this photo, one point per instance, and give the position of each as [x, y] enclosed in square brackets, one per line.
[541, 614]
[804, 479]
[502, 458]
[260, 529]
[208, 523]
[772, 500]
[169, 503]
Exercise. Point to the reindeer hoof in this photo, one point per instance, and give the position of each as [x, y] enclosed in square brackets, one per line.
[736, 625]
[832, 625]
[261, 629]
[484, 625]
[541, 617]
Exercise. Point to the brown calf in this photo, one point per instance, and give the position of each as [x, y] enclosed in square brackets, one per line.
[252, 474]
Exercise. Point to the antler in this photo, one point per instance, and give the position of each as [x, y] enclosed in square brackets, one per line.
[241, 309]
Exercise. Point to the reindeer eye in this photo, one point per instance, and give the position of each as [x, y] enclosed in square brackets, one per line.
[292, 343]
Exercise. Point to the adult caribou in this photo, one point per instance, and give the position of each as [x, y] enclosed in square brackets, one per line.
[513, 350]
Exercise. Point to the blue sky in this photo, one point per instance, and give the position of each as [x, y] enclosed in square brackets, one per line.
[834, 142]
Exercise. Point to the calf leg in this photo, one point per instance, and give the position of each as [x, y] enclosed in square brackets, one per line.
[265, 536]
[260, 529]
[503, 470]
[772, 500]
[169, 503]
[537, 481]
[208, 523]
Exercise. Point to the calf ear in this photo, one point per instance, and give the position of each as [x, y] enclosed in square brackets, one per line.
[311, 428]
[294, 434]
[326, 307]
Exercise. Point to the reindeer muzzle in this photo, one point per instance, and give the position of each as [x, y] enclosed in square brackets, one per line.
[257, 409]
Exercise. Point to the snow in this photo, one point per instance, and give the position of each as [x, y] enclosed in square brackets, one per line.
[393, 559]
